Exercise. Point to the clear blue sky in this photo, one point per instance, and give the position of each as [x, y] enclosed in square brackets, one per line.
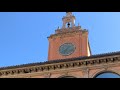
[23, 35]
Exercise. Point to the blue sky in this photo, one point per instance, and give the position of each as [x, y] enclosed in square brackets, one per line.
[23, 35]
[108, 75]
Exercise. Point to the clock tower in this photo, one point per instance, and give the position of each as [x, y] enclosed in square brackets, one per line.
[70, 41]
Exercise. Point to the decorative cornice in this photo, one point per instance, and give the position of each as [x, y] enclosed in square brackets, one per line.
[63, 60]
[67, 33]
[63, 64]
[68, 17]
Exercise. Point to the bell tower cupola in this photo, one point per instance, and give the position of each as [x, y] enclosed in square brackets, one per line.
[68, 20]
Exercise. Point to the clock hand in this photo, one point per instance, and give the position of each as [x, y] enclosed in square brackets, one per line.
[66, 50]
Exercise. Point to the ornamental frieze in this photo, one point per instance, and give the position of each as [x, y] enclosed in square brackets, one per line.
[63, 65]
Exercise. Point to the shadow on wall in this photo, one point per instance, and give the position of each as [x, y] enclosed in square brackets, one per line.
[67, 77]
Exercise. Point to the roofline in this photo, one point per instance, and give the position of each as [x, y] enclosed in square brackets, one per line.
[61, 60]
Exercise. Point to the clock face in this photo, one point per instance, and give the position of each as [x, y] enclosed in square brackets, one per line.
[66, 49]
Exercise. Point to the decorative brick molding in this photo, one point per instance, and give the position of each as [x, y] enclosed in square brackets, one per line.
[84, 63]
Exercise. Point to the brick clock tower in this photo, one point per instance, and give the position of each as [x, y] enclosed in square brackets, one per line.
[70, 41]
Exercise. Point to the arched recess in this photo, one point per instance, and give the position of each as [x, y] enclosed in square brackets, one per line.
[69, 75]
[106, 74]
[66, 77]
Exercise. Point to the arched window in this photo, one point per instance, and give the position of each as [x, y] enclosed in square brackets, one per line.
[69, 24]
[107, 75]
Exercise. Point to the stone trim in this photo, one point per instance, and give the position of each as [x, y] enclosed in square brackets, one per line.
[67, 32]
[113, 54]
[62, 65]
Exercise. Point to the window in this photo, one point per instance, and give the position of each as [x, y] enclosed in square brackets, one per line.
[107, 75]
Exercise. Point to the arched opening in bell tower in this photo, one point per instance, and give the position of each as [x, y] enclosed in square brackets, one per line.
[68, 24]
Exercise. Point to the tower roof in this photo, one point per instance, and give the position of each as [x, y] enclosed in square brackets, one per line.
[68, 14]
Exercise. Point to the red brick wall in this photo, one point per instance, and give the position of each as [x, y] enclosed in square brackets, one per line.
[79, 39]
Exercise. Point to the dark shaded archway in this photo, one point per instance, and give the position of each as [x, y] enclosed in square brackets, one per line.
[67, 77]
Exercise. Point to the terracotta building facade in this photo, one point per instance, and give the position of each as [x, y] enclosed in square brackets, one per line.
[69, 56]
